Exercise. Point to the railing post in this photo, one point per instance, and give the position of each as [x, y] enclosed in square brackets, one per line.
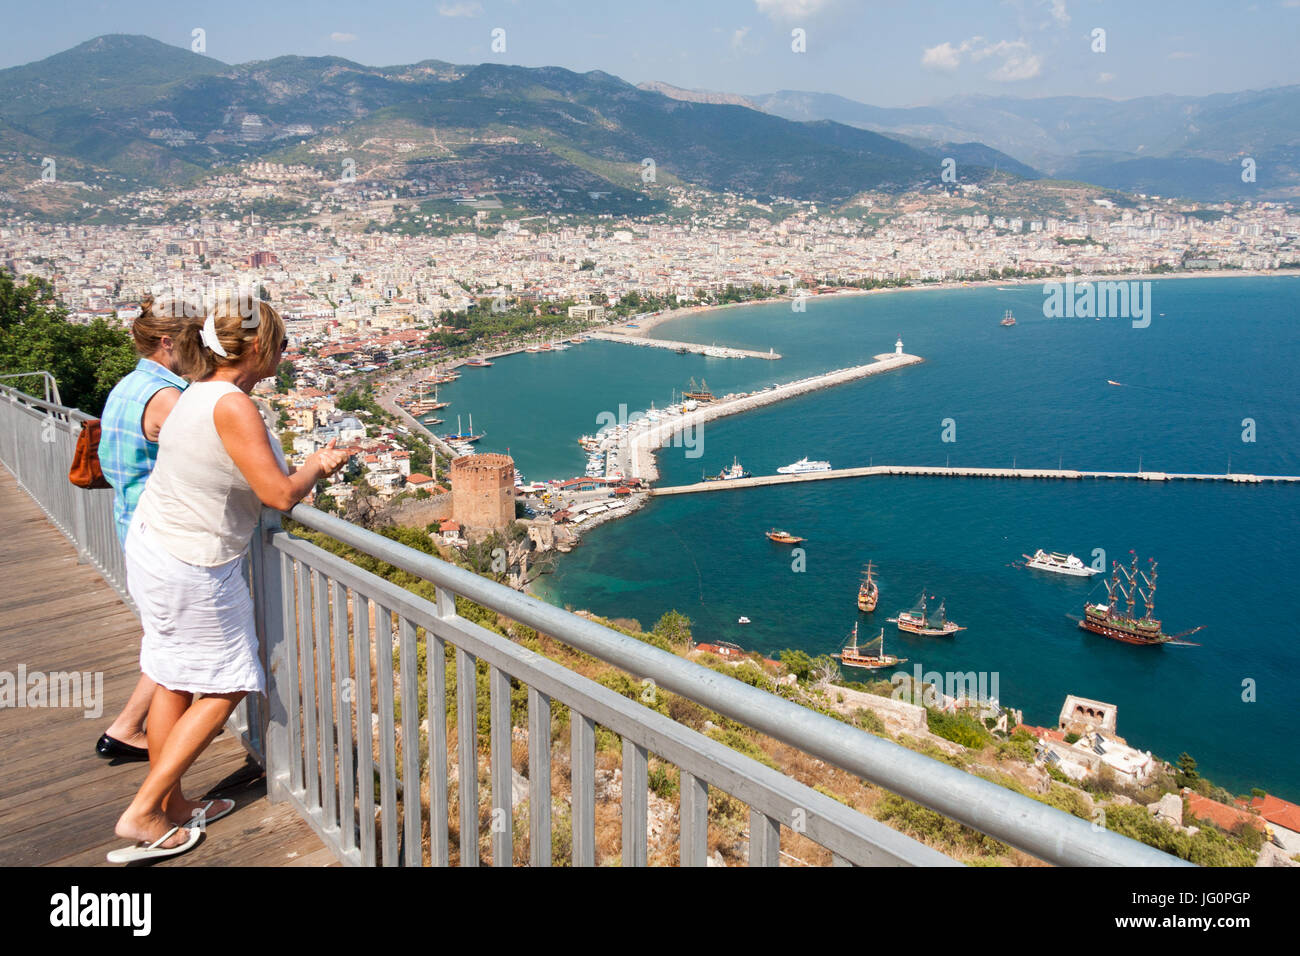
[269, 612]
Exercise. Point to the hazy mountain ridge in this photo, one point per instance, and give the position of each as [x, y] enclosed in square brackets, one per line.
[1175, 145]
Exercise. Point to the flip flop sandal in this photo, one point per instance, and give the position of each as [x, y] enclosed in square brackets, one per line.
[154, 851]
[209, 816]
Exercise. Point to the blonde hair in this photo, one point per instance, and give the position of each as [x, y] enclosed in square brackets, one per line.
[238, 322]
[167, 316]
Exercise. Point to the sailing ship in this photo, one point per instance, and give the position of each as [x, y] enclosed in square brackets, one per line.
[917, 621]
[1008, 319]
[853, 656]
[1108, 621]
[463, 437]
[782, 537]
[868, 592]
[729, 474]
[700, 393]
[1059, 564]
[477, 363]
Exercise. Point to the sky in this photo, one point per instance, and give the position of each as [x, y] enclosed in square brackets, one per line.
[883, 53]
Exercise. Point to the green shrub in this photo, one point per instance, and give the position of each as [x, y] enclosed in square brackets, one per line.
[959, 728]
[1019, 746]
[663, 780]
[925, 824]
[868, 720]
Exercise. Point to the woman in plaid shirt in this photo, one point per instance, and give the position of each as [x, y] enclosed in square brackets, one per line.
[128, 449]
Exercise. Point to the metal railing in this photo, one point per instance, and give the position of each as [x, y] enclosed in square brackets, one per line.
[37, 441]
[373, 709]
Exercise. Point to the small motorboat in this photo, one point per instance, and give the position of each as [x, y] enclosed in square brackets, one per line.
[743, 620]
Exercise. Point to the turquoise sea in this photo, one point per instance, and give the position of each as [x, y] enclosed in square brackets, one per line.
[1217, 352]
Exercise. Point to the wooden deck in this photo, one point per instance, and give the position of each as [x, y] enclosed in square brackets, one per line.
[58, 798]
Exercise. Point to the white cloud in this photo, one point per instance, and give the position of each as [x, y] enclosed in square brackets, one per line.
[1105, 77]
[738, 39]
[945, 56]
[1018, 61]
[343, 37]
[1058, 11]
[1017, 68]
[469, 9]
[1180, 55]
[790, 9]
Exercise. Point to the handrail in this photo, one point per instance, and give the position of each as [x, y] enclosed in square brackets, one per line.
[1036, 828]
[51, 384]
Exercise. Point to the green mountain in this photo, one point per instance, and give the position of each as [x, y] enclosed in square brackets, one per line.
[126, 112]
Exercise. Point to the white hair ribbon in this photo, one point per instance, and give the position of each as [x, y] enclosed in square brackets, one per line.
[209, 335]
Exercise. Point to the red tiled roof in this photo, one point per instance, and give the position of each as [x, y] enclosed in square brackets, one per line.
[418, 479]
[1220, 814]
[720, 651]
[1277, 811]
[1031, 729]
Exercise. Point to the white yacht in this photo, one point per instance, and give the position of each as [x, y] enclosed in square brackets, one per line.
[1059, 564]
[803, 466]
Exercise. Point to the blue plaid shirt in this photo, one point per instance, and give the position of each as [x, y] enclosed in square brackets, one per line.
[125, 455]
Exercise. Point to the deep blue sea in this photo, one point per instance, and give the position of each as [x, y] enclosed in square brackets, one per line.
[1217, 351]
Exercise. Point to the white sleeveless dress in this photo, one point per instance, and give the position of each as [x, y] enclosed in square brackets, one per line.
[185, 566]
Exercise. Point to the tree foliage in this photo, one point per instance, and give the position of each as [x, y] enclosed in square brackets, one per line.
[86, 360]
[674, 627]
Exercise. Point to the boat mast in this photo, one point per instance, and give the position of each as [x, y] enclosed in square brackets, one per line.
[1149, 596]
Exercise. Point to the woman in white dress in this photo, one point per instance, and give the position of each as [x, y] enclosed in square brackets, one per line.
[218, 464]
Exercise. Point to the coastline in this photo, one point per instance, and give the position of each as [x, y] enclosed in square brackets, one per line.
[647, 323]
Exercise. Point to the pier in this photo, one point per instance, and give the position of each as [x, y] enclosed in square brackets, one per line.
[714, 351]
[947, 472]
[641, 446]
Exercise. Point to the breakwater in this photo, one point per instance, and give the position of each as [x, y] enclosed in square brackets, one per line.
[643, 442]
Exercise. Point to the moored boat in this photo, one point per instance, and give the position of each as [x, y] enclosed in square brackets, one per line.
[804, 466]
[730, 473]
[851, 655]
[916, 621]
[1059, 564]
[1108, 621]
[782, 537]
[868, 592]
[698, 393]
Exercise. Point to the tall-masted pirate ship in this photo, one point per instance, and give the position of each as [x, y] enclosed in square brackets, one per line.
[1109, 621]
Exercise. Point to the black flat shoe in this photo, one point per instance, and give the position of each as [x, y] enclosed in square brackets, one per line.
[111, 749]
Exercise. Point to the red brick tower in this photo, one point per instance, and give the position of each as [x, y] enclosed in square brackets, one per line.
[483, 491]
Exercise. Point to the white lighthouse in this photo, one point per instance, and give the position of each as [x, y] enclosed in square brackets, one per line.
[898, 346]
